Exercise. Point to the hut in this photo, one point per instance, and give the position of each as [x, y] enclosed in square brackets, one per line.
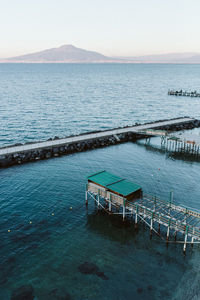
[114, 188]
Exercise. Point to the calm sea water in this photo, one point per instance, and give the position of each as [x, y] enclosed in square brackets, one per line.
[39, 101]
[48, 241]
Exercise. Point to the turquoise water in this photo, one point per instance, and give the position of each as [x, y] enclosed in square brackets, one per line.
[48, 241]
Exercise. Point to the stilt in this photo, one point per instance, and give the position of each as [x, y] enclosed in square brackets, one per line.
[175, 233]
[124, 208]
[192, 241]
[168, 230]
[159, 224]
[110, 207]
[185, 243]
[132, 212]
[98, 199]
[86, 198]
[136, 216]
[151, 227]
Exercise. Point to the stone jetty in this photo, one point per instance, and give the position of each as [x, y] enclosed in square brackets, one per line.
[30, 152]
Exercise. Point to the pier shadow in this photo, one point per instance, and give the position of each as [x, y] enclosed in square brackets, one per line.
[112, 226]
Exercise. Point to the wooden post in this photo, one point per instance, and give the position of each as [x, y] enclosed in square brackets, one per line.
[136, 216]
[168, 229]
[158, 223]
[192, 242]
[175, 233]
[131, 211]
[98, 199]
[151, 228]
[110, 203]
[86, 198]
[185, 242]
[124, 208]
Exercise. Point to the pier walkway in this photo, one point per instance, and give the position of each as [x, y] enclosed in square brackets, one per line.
[90, 136]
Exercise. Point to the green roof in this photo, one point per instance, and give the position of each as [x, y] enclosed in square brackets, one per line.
[104, 178]
[124, 187]
[114, 183]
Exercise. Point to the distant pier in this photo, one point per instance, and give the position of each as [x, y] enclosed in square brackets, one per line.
[19, 154]
[183, 93]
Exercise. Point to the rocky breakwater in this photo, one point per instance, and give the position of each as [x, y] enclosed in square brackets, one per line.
[183, 126]
[50, 152]
[84, 143]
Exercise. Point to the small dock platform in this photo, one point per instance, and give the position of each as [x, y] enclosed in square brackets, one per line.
[183, 93]
[119, 196]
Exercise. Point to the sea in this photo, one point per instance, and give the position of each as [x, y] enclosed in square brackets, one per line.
[46, 232]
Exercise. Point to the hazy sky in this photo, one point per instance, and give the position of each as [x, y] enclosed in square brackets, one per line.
[112, 27]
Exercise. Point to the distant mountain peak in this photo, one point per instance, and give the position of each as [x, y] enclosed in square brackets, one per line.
[67, 46]
[65, 53]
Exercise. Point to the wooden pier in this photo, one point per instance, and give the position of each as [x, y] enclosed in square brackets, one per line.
[118, 196]
[183, 93]
[171, 142]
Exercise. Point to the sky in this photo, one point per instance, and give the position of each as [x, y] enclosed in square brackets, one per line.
[111, 27]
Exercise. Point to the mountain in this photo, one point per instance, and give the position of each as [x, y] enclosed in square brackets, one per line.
[66, 53]
[188, 57]
[72, 54]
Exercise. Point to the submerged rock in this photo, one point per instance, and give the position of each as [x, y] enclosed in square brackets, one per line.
[24, 292]
[90, 268]
[139, 290]
[58, 295]
[102, 275]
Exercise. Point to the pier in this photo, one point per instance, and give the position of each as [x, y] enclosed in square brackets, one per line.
[35, 151]
[118, 196]
[172, 142]
[183, 93]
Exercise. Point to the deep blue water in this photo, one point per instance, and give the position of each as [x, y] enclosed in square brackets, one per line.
[48, 241]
